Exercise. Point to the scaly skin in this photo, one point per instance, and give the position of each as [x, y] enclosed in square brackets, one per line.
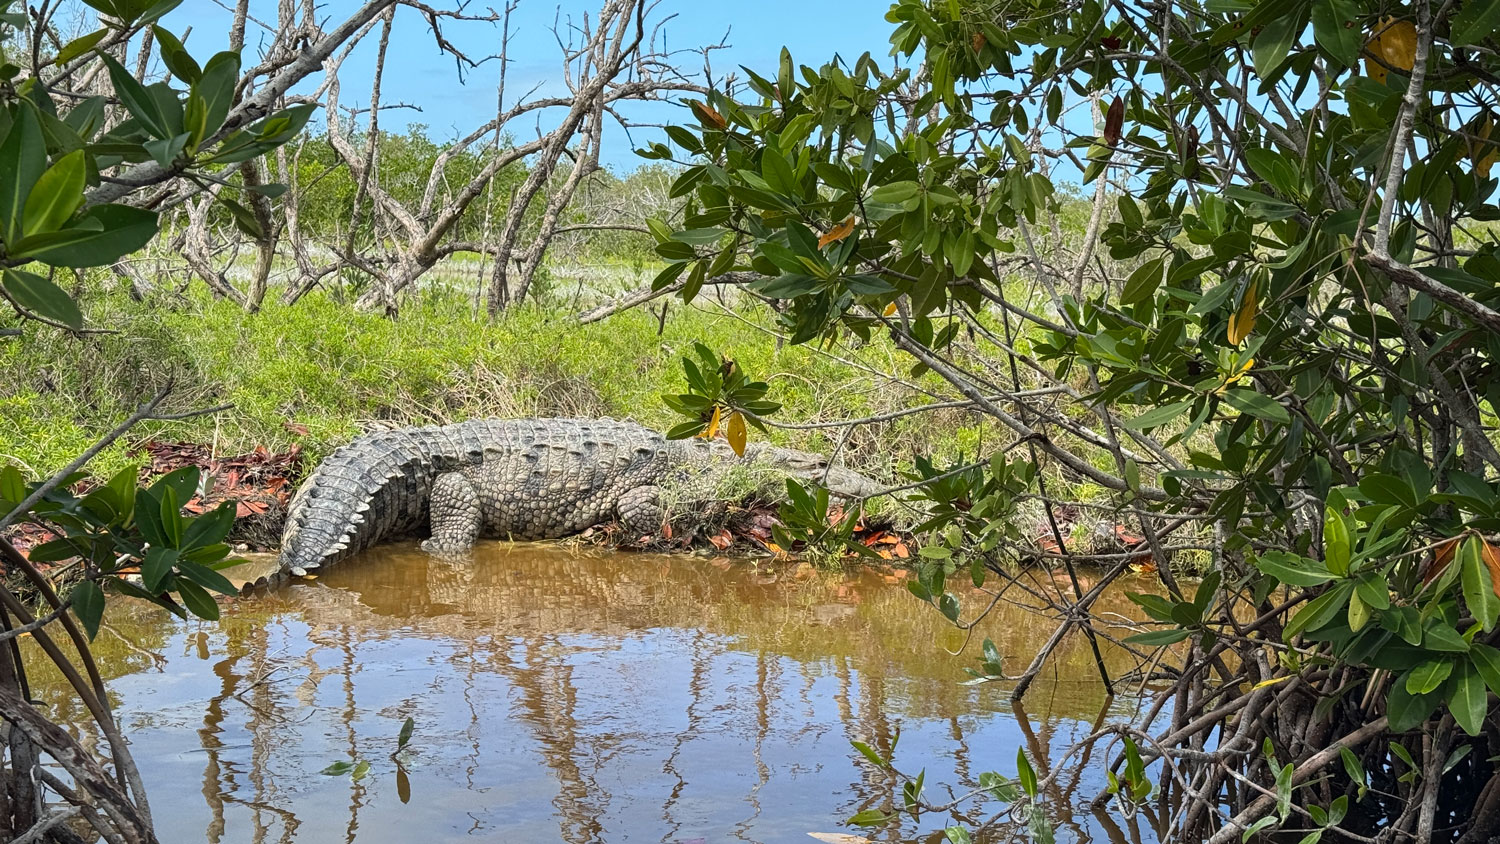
[521, 479]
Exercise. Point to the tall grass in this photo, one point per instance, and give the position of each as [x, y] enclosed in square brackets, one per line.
[334, 371]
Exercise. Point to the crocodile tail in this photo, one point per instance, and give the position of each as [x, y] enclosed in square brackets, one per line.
[375, 487]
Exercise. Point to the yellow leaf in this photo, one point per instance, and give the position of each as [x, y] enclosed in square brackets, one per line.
[1236, 375]
[1482, 151]
[890, 309]
[837, 233]
[1243, 321]
[713, 425]
[736, 433]
[1271, 682]
[1395, 43]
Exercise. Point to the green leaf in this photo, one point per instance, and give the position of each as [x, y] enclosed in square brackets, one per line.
[1337, 545]
[957, 835]
[1468, 699]
[1158, 416]
[12, 487]
[1143, 282]
[360, 770]
[337, 769]
[1429, 676]
[1336, 29]
[871, 817]
[1272, 44]
[1155, 606]
[209, 528]
[1486, 661]
[56, 195]
[176, 58]
[1320, 610]
[144, 105]
[1292, 569]
[1158, 638]
[199, 602]
[1475, 21]
[102, 235]
[206, 577]
[1284, 791]
[1479, 591]
[895, 193]
[1026, 774]
[1441, 637]
[88, 605]
[78, 46]
[403, 738]
[1257, 405]
[1252, 829]
[171, 516]
[23, 158]
[42, 297]
[155, 568]
[216, 87]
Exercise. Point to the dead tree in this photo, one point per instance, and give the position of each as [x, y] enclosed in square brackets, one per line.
[606, 60]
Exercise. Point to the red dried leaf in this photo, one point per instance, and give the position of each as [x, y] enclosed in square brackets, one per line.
[1114, 122]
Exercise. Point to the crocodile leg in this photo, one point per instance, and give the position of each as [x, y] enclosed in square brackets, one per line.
[640, 511]
[455, 515]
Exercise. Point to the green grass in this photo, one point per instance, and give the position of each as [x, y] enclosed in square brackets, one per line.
[336, 371]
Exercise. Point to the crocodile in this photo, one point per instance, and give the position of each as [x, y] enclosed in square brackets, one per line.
[515, 479]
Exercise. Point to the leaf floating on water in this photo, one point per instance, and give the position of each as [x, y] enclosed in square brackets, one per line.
[839, 838]
[337, 769]
[404, 736]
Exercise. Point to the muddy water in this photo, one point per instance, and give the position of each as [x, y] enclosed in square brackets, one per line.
[567, 696]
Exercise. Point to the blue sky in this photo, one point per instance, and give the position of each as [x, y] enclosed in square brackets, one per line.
[418, 74]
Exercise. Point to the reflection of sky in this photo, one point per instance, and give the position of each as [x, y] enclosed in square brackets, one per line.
[561, 697]
[663, 736]
[418, 74]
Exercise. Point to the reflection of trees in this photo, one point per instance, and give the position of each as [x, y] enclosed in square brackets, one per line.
[516, 612]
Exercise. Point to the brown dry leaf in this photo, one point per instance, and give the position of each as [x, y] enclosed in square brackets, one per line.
[901, 550]
[1114, 122]
[722, 540]
[294, 427]
[1441, 557]
[707, 116]
[978, 41]
[736, 433]
[1491, 557]
[1243, 321]
[837, 233]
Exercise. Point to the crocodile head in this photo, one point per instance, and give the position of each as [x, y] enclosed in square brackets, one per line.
[814, 468]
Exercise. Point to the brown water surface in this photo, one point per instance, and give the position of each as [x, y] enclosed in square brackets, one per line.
[563, 695]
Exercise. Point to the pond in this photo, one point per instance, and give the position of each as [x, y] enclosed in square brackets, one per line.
[575, 695]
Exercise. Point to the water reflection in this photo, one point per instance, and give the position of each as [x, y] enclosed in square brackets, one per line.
[562, 695]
